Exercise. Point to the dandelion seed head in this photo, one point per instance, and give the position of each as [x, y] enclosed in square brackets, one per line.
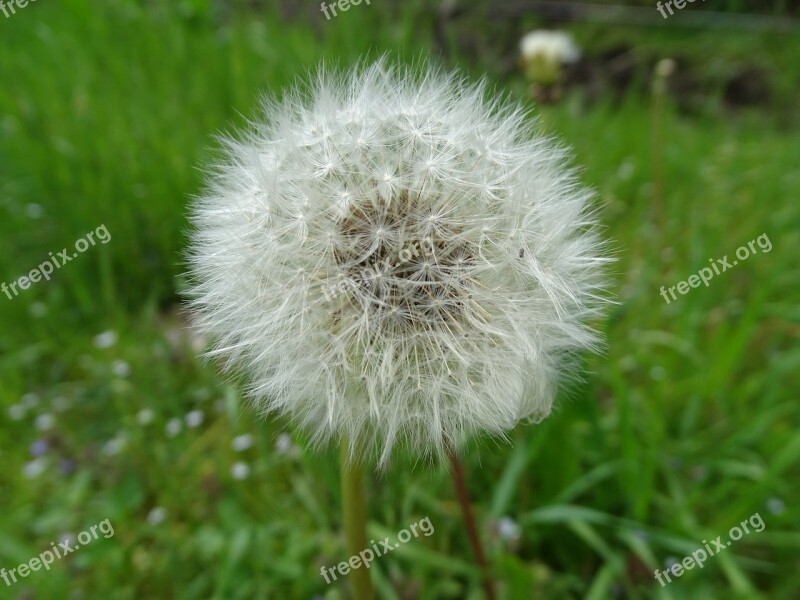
[427, 269]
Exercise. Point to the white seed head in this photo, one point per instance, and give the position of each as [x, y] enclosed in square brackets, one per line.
[394, 258]
[544, 53]
[553, 46]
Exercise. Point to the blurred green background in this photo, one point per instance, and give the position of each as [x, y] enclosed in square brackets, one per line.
[686, 426]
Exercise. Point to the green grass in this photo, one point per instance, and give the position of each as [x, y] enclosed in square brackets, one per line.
[683, 429]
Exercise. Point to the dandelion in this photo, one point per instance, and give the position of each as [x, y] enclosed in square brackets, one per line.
[461, 248]
[470, 334]
[544, 53]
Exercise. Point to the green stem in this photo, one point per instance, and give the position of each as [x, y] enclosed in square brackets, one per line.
[355, 522]
[460, 484]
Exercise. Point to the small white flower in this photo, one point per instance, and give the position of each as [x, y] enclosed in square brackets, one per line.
[115, 445]
[29, 400]
[38, 309]
[174, 427]
[105, 339]
[776, 506]
[34, 468]
[284, 445]
[34, 211]
[242, 442]
[240, 470]
[157, 515]
[470, 334]
[145, 416]
[120, 368]
[60, 404]
[17, 412]
[45, 422]
[508, 529]
[194, 418]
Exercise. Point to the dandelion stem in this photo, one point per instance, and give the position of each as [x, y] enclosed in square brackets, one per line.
[459, 480]
[355, 520]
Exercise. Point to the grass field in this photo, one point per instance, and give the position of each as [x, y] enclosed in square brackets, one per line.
[686, 426]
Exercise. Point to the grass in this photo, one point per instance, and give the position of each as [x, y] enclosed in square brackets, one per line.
[685, 428]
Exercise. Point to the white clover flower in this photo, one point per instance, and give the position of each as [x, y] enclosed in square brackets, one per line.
[242, 442]
[145, 416]
[105, 339]
[466, 244]
[284, 446]
[34, 468]
[543, 53]
[240, 470]
[120, 368]
[115, 445]
[29, 400]
[17, 412]
[194, 418]
[157, 515]
[45, 422]
[174, 427]
[508, 529]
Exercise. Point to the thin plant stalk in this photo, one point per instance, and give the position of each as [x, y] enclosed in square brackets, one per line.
[459, 481]
[355, 521]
